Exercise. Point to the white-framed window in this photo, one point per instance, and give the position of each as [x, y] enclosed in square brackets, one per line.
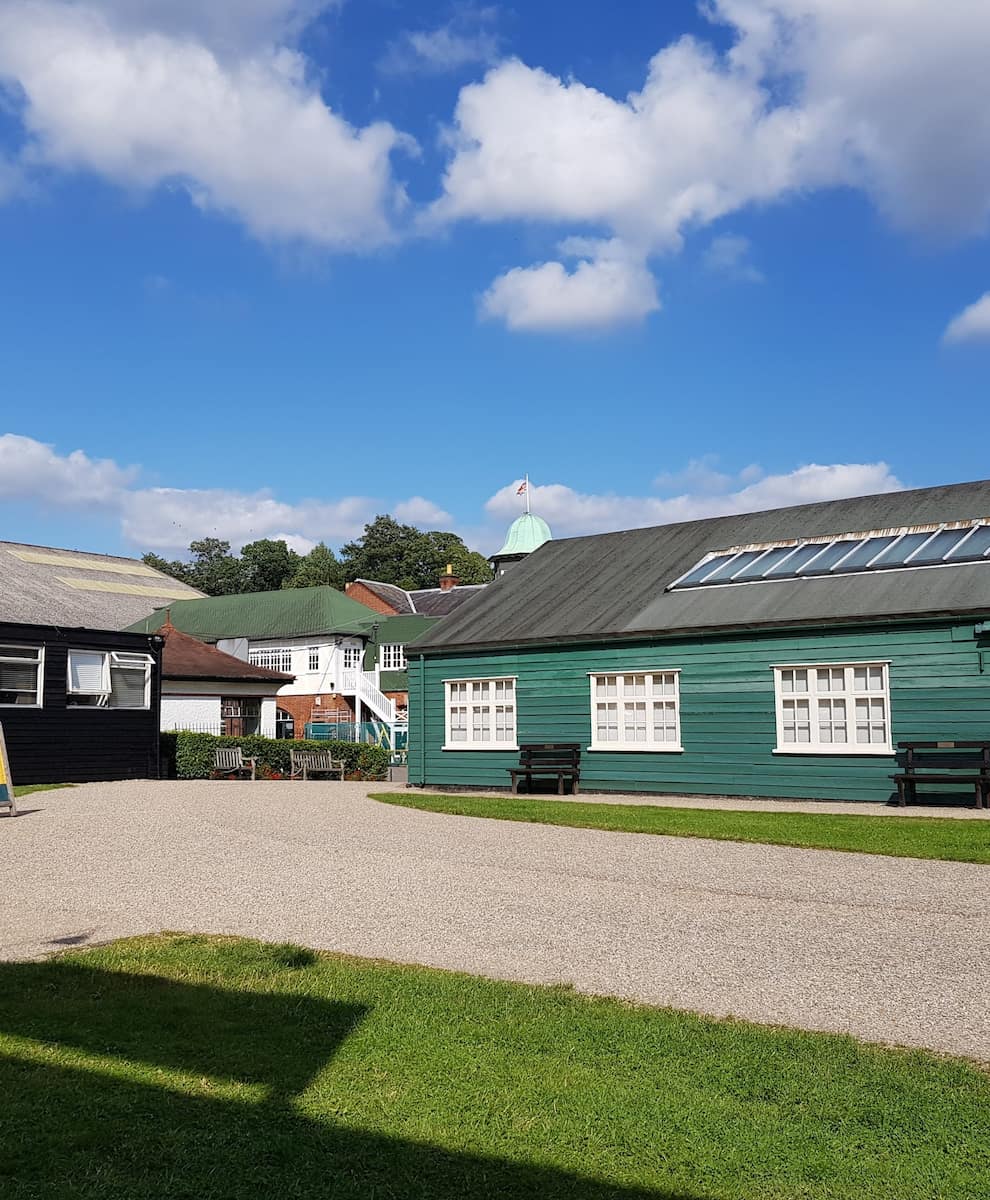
[481, 714]
[272, 659]
[108, 679]
[637, 711]
[833, 708]
[352, 658]
[393, 658]
[313, 658]
[21, 676]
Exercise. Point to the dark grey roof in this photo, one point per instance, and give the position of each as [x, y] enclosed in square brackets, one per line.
[612, 585]
[43, 585]
[397, 597]
[427, 602]
[435, 602]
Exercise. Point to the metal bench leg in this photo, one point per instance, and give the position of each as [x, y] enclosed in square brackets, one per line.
[560, 785]
[901, 799]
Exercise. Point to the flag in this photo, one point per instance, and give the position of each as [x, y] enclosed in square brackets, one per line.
[522, 487]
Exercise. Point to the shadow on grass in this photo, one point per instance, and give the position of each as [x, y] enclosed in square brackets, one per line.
[107, 1081]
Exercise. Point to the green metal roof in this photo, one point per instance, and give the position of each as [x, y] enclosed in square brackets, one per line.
[393, 631]
[292, 612]
[401, 630]
[526, 534]
[394, 681]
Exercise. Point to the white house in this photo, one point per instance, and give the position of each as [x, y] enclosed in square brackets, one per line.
[208, 691]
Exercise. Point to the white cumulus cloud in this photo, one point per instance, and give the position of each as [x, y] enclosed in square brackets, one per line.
[419, 511]
[891, 98]
[729, 255]
[972, 324]
[32, 470]
[149, 100]
[601, 291]
[227, 25]
[570, 513]
[168, 519]
[468, 37]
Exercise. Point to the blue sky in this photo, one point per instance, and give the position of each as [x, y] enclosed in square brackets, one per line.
[273, 269]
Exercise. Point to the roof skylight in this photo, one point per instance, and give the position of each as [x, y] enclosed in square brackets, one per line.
[843, 554]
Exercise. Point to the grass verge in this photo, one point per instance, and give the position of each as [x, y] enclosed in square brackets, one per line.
[28, 788]
[903, 837]
[218, 1068]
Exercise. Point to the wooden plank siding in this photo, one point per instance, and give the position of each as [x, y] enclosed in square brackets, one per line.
[58, 743]
[728, 722]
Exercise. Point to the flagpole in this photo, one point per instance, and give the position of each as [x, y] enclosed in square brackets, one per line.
[527, 495]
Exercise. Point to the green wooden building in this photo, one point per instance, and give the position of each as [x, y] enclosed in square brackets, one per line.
[781, 653]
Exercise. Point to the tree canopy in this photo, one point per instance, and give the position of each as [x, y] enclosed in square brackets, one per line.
[410, 558]
[387, 551]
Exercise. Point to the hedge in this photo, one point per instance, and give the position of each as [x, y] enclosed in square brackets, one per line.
[192, 754]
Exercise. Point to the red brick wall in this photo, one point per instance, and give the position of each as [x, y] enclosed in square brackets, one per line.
[301, 708]
[363, 595]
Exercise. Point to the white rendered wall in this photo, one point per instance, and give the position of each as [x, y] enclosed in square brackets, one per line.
[268, 707]
[195, 704]
[191, 712]
[328, 678]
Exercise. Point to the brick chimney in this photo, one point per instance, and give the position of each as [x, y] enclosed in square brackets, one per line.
[448, 579]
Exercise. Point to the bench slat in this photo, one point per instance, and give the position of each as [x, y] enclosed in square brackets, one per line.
[558, 760]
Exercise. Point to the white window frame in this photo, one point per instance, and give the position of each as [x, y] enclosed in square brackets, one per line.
[312, 652]
[393, 655]
[652, 694]
[352, 652]
[475, 707]
[39, 679]
[271, 658]
[815, 693]
[126, 660]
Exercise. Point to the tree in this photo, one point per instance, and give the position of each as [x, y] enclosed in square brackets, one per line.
[267, 565]
[214, 569]
[319, 566]
[177, 570]
[409, 558]
[469, 566]
[387, 551]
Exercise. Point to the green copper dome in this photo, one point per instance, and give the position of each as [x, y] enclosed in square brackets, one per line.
[526, 534]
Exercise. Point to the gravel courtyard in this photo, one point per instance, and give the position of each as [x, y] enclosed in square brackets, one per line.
[892, 950]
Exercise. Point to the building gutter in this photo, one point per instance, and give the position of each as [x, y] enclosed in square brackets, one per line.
[700, 632]
[422, 721]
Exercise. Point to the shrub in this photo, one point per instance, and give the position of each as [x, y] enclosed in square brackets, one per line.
[194, 755]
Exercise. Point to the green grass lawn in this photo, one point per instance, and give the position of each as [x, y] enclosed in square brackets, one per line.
[904, 837]
[190, 1067]
[27, 789]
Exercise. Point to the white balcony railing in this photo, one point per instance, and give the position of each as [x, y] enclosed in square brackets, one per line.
[370, 694]
[364, 685]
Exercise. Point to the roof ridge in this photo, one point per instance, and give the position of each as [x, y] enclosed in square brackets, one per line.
[460, 587]
[91, 553]
[382, 583]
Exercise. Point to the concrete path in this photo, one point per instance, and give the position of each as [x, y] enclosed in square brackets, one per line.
[893, 950]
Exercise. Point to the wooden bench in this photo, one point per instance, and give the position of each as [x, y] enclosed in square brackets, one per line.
[944, 762]
[230, 760]
[561, 760]
[303, 763]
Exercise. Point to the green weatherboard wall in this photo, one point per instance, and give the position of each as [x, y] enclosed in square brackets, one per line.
[728, 725]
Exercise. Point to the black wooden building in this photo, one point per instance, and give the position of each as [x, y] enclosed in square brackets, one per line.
[79, 705]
